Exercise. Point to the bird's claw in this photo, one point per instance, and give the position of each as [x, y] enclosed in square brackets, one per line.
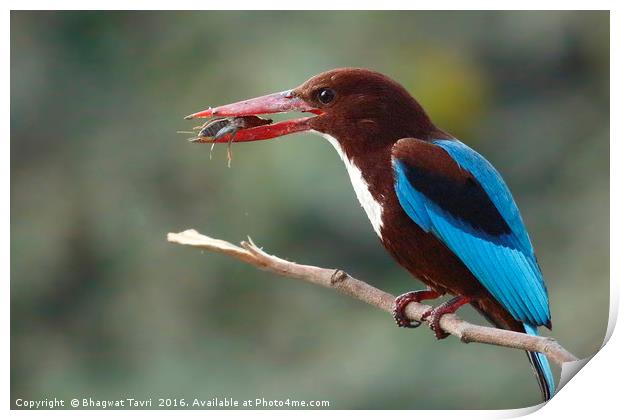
[404, 322]
[401, 302]
[434, 316]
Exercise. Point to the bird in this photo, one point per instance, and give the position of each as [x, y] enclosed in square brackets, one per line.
[439, 208]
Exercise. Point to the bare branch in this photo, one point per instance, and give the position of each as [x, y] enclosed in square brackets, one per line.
[344, 283]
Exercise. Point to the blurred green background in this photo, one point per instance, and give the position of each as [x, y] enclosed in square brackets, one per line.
[103, 306]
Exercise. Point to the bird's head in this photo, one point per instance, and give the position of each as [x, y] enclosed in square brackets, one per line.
[358, 107]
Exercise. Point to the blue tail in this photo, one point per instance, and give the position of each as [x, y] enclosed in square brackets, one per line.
[541, 367]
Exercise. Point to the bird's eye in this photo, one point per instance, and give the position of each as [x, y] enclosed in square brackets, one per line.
[326, 95]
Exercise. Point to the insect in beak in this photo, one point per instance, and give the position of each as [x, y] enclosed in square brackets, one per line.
[215, 130]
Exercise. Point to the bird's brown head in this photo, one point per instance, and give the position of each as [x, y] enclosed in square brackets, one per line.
[358, 107]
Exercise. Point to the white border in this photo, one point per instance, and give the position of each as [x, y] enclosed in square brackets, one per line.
[593, 392]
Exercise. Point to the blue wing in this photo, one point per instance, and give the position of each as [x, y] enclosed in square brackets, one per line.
[450, 190]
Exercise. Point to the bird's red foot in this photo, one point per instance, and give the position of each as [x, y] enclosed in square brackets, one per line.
[435, 314]
[401, 302]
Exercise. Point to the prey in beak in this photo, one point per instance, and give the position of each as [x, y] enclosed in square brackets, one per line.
[238, 122]
[217, 128]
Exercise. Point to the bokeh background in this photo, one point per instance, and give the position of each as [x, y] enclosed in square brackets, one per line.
[103, 306]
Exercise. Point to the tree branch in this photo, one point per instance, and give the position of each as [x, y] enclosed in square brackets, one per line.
[344, 283]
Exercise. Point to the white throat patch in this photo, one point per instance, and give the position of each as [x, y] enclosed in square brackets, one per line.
[373, 209]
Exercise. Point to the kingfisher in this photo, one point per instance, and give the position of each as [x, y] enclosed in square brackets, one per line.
[440, 209]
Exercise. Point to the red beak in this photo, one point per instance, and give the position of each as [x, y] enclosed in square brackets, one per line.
[269, 104]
